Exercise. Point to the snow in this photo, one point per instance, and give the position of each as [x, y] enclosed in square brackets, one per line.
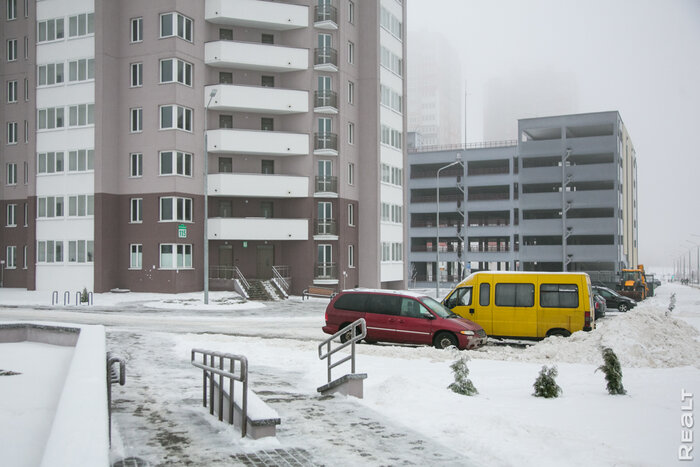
[408, 414]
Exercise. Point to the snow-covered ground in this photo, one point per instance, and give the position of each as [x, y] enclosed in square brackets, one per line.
[408, 416]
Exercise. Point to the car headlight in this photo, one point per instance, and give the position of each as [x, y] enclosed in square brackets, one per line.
[466, 332]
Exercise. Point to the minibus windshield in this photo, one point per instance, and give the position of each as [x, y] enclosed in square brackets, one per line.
[437, 308]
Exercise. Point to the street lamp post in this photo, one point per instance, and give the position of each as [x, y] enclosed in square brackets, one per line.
[437, 224]
[206, 201]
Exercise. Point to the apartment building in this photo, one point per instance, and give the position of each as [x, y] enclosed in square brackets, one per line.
[563, 196]
[290, 114]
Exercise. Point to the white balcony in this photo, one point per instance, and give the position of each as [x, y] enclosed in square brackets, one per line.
[258, 228]
[270, 143]
[256, 14]
[254, 56]
[258, 185]
[256, 99]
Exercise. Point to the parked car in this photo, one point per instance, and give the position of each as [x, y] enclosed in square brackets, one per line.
[402, 317]
[614, 299]
[600, 305]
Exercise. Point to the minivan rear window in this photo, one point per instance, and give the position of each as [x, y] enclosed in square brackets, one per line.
[517, 295]
[559, 295]
[352, 302]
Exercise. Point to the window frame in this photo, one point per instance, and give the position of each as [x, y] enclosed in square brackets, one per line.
[135, 210]
[187, 205]
[136, 74]
[12, 136]
[136, 249]
[136, 165]
[187, 163]
[56, 30]
[174, 254]
[136, 120]
[351, 52]
[136, 30]
[11, 174]
[351, 256]
[176, 64]
[11, 50]
[174, 111]
[176, 26]
[11, 215]
[82, 20]
[516, 304]
[11, 10]
[351, 215]
[11, 257]
[12, 88]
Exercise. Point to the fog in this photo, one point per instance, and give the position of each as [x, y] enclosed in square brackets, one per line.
[550, 57]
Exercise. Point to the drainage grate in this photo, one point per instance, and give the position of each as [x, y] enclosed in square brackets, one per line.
[276, 458]
[131, 462]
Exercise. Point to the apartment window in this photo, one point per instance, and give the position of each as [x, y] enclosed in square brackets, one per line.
[136, 75]
[267, 209]
[173, 70]
[392, 99]
[225, 77]
[11, 218]
[391, 61]
[267, 167]
[12, 50]
[175, 256]
[267, 39]
[136, 164]
[267, 124]
[175, 24]
[26, 131]
[351, 256]
[12, 91]
[49, 206]
[50, 30]
[351, 52]
[26, 215]
[26, 173]
[81, 205]
[80, 251]
[351, 133]
[26, 47]
[351, 12]
[267, 81]
[391, 137]
[136, 210]
[26, 89]
[225, 164]
[351, 92]
[11, 9]
[81, 70]
[11, 170]
[176, 209]
[351, 173]
[225, 121]
[137, 120]
[12, 133]
[11, 257]
[81, 115]
[136, 257]
[49, 162]
[175, 163]
[81, 160]
[26, 257]
[225, 34]
[351, 215]
[391, 23]
[50, 118]
[81, 25]
[136, 30]
[175, 117]
[50, 74]
[49, 251]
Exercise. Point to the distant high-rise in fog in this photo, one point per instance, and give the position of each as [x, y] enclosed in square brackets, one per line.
[529, 94]
[435, 96]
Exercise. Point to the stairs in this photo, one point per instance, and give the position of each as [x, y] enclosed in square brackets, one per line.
[261, 291]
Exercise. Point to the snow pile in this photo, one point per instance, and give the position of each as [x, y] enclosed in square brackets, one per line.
[643, 337]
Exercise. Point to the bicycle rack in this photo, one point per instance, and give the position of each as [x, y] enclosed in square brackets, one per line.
[66, 298]
[113, 377]
[54, 297]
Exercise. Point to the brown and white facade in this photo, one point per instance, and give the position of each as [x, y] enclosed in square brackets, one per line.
[302, 106]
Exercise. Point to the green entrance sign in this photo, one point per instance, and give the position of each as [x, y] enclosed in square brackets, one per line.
[182, 231]
[245, 244]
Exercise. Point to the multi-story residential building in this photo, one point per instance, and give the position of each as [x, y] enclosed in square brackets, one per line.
[563, 196]
[301, 105]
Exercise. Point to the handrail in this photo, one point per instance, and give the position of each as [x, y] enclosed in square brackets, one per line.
[479, 145]
[237, 272]
[352, 328]
[282, 280]
[209, 370]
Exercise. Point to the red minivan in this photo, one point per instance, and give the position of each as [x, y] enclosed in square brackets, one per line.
[402, 317]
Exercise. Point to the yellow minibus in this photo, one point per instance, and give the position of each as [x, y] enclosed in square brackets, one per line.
[531, 305]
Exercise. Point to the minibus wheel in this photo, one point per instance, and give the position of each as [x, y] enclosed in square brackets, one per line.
[558, 332]
[444, 340]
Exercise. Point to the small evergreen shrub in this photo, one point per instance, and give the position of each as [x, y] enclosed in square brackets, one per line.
[84, 295]
[613, 372]
[462, 384]
[545, 384]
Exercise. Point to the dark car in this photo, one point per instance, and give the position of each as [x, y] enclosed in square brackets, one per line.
[600, 305]
[614, 299]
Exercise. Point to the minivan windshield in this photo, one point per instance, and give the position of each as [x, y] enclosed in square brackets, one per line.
[437, 307]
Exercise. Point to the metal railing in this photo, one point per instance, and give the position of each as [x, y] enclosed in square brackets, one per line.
[326, 141]
[455, 147]
[325, 56]
[283, 275]
[326, 12]
[354, 337]
[237, 274]
[221, 272]
[213, 363]
[326, 98]
[326, 227]
[327, 184]
[113, 377]
[326, 271]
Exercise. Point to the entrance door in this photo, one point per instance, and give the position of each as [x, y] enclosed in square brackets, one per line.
[226, 261]
[264, 259]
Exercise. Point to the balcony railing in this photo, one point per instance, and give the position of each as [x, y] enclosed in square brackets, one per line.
[326, 56]
[431, 199]
[326, 98]
[488, 196]
[326, 141]
[326, 271]
[327, 184]
[326, 227]
[326, 13]
[432, 173]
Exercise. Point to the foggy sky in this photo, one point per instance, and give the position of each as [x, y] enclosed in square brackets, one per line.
[639, 57]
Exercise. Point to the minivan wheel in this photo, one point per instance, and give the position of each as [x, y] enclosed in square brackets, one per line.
[444, 340]
[347, 335]
[622, 308]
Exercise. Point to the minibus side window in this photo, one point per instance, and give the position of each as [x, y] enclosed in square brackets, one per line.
[515, 295]
[460, 297]
[484, 294]
[559, 295]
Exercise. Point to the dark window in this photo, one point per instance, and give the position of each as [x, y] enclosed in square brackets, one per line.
[225, 34]
[225, 77]
[225, 164]
[267, 81]
[384, 304]
[351, 302]
[559, 295]
[267, 39]
[484, 291]
[460, 297]
[225, 121]
[225, 209]
[268, 167]
[411, 308]
[266, 209]
[517, 295]
[267, 124]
